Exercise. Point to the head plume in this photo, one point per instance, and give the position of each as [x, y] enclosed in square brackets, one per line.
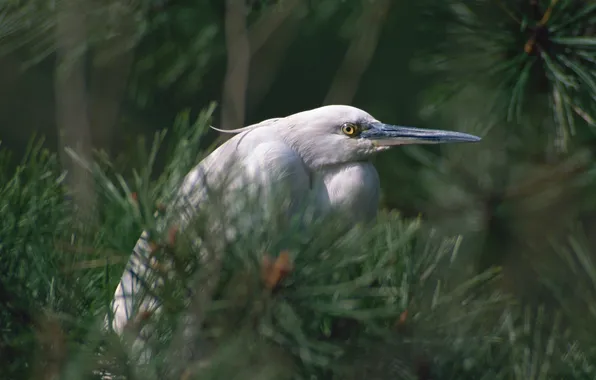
[247, 128]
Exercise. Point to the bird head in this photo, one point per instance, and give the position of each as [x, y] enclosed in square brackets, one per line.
[338, 134]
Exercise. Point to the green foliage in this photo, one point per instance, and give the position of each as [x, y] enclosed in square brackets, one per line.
[343, 286]
[395, 299]
[533, 56]
[29, 28]
[390, 300]
[574, 272]
[181, 43]
[183, 48]
[35, 217]
[55, 271]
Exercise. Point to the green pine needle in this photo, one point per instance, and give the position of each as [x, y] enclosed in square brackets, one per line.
[523, 52]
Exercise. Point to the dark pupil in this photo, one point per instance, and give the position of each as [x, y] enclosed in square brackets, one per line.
[349, 129]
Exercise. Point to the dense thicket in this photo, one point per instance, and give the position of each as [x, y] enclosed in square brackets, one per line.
[479, 266]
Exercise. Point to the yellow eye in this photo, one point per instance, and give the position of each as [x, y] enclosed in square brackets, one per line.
[350, 129]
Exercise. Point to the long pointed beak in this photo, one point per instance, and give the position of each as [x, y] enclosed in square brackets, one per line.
[388, 135]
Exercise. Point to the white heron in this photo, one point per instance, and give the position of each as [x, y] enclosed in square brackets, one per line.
[322, 155]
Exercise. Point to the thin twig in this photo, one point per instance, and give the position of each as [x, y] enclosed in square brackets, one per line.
[561, 173]
[97, 263]
[262, 30]
[548, 13]
[67, 247]
[509, 13]
[359, 54]
[267, 53]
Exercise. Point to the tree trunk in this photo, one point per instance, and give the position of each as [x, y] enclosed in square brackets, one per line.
[108, 88]
[71, 101]
[112, 63]
[236, 80]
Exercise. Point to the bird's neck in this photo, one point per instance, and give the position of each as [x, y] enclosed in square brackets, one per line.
[339, 166]
[327, 171]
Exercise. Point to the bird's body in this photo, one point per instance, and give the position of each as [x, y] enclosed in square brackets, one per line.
[267, 157]
[319, 158]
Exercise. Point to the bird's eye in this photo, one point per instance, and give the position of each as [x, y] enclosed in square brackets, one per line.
[350, 129]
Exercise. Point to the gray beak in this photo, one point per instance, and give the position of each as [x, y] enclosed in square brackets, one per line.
[389, 135]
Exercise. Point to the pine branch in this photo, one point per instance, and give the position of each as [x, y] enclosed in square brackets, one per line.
[526, 52]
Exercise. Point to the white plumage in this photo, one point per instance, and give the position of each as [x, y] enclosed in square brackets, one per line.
[319, 156]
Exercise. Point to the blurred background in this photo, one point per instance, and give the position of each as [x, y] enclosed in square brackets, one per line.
[95, 74]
